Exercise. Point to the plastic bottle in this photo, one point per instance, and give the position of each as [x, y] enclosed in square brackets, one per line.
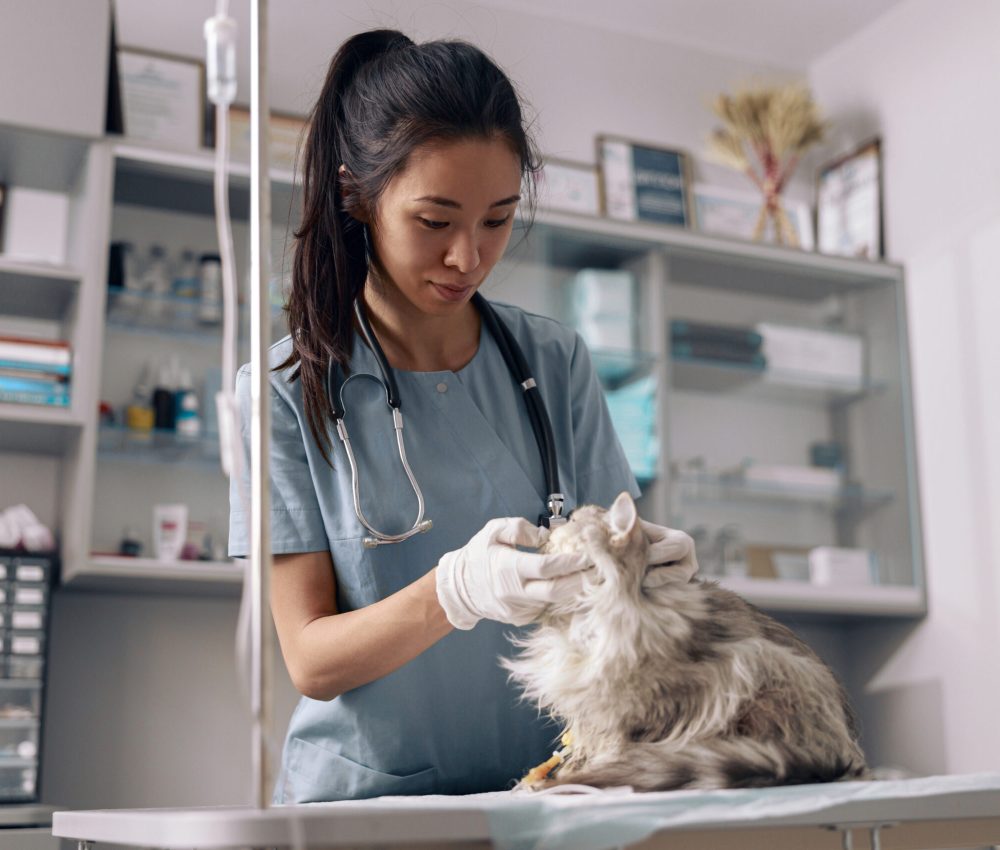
[125, 282]
[210, 274]
[165, 400]
[157, 282]
[188, 409]
[139, 413]
[186, 283]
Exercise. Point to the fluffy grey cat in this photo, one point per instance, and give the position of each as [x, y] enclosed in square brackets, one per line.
[684, 685]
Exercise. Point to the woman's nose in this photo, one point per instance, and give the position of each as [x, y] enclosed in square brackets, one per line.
[463, 253]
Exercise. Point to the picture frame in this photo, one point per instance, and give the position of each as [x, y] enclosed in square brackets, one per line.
[285, 132]
[162, 97]
[640, 181]
[849, 219]
[569, 186]
[722, 211]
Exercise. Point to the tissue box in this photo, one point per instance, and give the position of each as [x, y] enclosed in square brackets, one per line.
[814, 354]
[36, 224]
[604, 306]
[829, 565]
[816, 480]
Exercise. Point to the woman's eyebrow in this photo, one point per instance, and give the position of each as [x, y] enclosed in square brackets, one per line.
[455, 205]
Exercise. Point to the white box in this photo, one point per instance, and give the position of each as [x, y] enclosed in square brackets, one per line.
[604, 306]
[809, 353]
[832, 565]
[817, 479]
[36, 225]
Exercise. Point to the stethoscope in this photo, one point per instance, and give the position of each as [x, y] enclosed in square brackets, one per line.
[517, 365]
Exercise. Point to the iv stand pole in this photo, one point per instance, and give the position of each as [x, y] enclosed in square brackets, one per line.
[260, 423]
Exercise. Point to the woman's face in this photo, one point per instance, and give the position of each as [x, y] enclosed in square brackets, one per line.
[445, 220]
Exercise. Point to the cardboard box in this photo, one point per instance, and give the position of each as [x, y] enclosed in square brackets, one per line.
[807, 353]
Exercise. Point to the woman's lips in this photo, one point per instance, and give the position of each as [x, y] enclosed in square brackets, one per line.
[451, 293]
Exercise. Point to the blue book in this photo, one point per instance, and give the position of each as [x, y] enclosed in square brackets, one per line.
[54, 387]
[16, 397]
[34, 366]
[683, 331]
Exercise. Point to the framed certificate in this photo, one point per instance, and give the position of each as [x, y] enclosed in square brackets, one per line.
[163, 98]
[849, 204]
[641, 182]
[569, 186]
[285, 133]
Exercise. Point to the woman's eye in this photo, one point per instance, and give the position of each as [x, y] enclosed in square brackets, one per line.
[497, 222]
[431, 224]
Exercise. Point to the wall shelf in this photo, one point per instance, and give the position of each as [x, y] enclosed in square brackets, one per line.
[148, 575]
[36, 290]
[182, 181]
[566, 239]
[799, 597]
[37, 428]
[121, 444]
[716, 488]
[41, 159]
[713, 376]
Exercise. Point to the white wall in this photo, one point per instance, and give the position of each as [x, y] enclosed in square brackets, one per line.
[927, 79]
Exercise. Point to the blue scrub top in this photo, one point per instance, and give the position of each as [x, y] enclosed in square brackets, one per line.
[447, 722]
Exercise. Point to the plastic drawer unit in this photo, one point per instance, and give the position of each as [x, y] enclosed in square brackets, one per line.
[25, 590]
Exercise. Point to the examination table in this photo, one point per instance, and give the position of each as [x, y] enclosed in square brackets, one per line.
[928, 813]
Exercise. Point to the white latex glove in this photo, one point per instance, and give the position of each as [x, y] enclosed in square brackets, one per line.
[671, 556]
[489, 579]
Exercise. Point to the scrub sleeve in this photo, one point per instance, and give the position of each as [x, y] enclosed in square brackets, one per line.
[447, 722]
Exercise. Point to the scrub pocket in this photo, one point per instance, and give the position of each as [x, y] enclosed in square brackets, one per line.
[314, 774]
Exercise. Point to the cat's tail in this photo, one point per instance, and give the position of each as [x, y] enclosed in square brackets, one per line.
[724, 763]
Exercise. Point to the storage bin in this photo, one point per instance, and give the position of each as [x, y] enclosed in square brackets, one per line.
[30, 617]
[25, 667]
[26, 642]
[17, 780]
[19, 739]
[19, 700]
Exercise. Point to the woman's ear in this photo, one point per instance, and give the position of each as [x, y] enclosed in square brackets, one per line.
[622, 515]
[350, 197]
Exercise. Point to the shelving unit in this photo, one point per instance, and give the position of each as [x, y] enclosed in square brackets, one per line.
[681, 273]
[721, 414]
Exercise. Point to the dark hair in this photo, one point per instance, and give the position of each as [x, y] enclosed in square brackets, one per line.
[384, 96]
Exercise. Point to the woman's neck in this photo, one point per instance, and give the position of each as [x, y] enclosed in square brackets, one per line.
[416, 342]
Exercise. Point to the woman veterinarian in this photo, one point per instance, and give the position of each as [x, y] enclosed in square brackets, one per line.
[412, 171]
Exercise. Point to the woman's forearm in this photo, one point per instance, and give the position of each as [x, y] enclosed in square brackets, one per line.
[340, 652]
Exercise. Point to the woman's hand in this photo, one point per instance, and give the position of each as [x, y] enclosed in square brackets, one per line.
[671, 556]
[489, 578]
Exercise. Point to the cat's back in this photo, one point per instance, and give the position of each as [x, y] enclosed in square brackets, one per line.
[727, 616]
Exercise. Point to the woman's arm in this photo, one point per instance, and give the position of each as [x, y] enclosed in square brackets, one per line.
[328, 653]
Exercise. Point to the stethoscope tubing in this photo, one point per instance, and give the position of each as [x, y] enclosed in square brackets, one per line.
[517, 366]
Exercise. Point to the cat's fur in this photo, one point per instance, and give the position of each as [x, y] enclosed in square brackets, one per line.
[684, 685]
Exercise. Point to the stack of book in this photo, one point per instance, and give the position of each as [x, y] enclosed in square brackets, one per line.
[34, 371]
[722, 344]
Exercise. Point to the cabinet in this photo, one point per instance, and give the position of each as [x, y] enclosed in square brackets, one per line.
[717, 420]
[709, 417]
[164, 197]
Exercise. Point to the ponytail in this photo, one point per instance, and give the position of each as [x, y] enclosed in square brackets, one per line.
[330, 261]
[383, 97]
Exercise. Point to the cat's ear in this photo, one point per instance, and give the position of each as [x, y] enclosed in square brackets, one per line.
[622, 515]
